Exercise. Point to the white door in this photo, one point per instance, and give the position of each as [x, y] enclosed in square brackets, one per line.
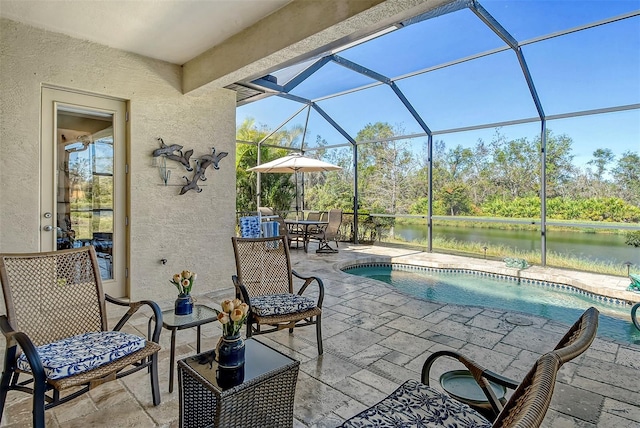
[83, 180]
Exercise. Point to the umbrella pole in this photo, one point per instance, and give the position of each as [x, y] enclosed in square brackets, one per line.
[295, 176]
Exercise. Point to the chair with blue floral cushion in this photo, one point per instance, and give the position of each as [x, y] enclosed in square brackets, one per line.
[56, 330]
[575, 341]
[415, 404]
[265, 281]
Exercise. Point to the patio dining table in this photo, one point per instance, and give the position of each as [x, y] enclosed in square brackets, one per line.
[297, 226]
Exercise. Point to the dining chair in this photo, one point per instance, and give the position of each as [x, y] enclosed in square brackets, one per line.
[268, 211]
[294, 235]
[313, 216]
[327, 233]
[56, 330]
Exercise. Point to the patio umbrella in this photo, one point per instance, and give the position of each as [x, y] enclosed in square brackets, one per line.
[295, 163]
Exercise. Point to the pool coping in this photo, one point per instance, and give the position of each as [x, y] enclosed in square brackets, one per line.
[535, 274]
[527, 281]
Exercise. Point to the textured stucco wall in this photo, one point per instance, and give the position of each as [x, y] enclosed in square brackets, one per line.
[191, 231]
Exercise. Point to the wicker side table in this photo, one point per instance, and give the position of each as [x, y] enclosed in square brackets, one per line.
[264, 399]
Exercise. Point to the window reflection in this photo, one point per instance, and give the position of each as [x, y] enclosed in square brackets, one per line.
[85, 184]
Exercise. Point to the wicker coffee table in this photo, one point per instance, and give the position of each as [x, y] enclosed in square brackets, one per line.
[260, 395]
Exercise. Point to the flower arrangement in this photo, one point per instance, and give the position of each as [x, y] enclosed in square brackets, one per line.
[232, 316]
[184, 281]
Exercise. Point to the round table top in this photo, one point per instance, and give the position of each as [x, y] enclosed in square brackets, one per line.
[461, 385]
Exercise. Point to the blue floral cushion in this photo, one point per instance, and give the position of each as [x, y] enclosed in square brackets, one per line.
[281, 304]
[250, 227]
[84, 352]
[415, 404]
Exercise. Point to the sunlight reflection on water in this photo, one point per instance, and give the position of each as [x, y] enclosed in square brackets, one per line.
[468, 289]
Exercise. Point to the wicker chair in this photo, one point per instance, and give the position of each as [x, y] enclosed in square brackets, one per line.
[417, 404]
[634, 317]
[577, 339]
[264, 280]
[55, 302]
[416, 401]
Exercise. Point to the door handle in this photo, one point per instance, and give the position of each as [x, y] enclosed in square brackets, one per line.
[49, 228]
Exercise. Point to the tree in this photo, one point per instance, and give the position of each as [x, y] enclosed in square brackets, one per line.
[559, 168]
[515, 165]
[385, 167]
[452, 170]
[601, 158]
[334, 189]
[278, 190]
[626, 175]
[455, 199]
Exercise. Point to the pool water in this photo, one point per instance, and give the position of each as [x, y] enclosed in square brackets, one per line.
[465, 288]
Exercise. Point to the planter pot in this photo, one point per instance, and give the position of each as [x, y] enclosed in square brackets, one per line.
[184, 304]
[230, 352]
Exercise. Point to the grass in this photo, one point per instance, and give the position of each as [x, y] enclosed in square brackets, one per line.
[586, 226]
[475, 249]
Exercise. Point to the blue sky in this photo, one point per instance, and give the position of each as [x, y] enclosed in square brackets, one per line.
[592, 69]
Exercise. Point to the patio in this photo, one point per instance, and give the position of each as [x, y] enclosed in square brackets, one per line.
[374, 339]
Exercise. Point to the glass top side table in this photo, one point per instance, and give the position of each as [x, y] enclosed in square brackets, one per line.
[262, 396]
[201, 315]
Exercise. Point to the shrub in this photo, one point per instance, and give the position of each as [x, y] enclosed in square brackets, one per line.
[633, 238]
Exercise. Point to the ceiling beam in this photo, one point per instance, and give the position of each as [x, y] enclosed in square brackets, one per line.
[292, 32]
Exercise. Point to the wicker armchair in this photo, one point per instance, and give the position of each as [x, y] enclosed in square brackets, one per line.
[577, 339]
[56, 308]
[264, 281]
[416, 403]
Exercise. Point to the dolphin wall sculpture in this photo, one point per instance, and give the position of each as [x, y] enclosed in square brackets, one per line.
[174, 152]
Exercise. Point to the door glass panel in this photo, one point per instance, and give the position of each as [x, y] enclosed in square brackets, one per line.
[85, 183]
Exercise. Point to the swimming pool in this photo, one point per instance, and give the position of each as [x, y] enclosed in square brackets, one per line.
[460, 286]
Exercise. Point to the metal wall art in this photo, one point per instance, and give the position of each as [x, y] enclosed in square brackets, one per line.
[174, 152]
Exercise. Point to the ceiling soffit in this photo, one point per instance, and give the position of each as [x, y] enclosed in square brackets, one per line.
[296, 32]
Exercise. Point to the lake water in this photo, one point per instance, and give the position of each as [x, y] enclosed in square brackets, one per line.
[463, 288]
[597, 247]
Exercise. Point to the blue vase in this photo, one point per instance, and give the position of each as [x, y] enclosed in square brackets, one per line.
[184, 304]
[229, 377]
[230, 352]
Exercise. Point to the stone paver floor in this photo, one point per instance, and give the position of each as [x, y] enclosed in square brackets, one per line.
[375, 338]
